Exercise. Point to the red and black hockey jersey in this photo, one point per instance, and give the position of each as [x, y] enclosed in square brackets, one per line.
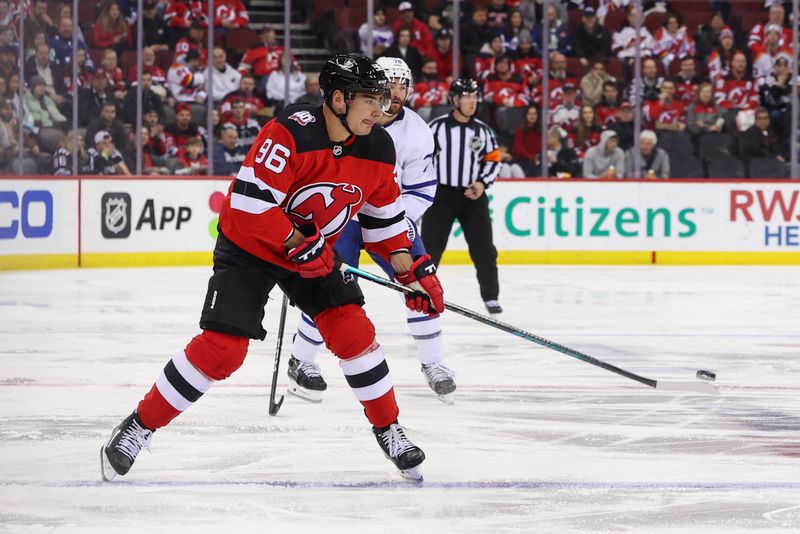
[294, 174]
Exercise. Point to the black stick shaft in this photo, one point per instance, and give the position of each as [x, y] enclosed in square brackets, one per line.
[509, 328]
[273, 406]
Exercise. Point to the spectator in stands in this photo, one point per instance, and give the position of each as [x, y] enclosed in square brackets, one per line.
[150, 100]
[558, 40]
[776, 96]
[228, 156]
[51, 74]
[608, 107]
[150, 162]
[625, 41]
[61, 43]
[592, 82]
[562, 160]
[116, 80]
[179, 15]
[275, 87]
[505, 88]
[654, 161]
[687, 81]
[498, 14]
[191, 158]
[253, 102]
[737, 91]
[666, 113]
[8, 62]
[187, 82]
[225, 79]
[84, 74]
[38, 20]
[567, 113]
[92, 99]
[428, 91]
[484, 62]
[719, 60]
[312, 96]
[195, 41]
[511, 30]
[708, 37]
[108, 122]
[246, 127]
[382, 35]
[587, 132]
[7, 37]
[624, 126]
[104, 158]
[605, 160]
[443, 54]
[759, 141]
[155, 27]
[705, 115]
[651, 81]
[64, 11]
[6, 13]
[673, 41]
[62, 158]
[216, 129]
[421, 37]
[527, 147]
[41, 108]
[559, 77]
[590, 40]
[476, 33]
[12, 91]
[777, 15]
[402, 48]
[230, 14]
[527, 61]
[180, 131]
[765, 54]
[157, 140]
[508, 167]
[262, 59]
[611, 6]
[157, 74]
[111, 30]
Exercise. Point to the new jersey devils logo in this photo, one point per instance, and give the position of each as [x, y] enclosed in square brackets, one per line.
[327, 204]
[302, 117]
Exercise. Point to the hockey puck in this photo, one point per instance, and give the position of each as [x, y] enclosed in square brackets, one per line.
[706, 375]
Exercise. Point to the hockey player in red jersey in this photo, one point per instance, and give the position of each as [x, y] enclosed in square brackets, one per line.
[309, 171]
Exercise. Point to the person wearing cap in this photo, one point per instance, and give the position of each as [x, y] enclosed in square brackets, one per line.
[443, 54]
[719, 60]
[104, 158]
[262, 59]
[624, 126]
[566, 114]
[179, 131]
[776, 16]
[590, 39]
[40, 107]
[764, 55]
[382, 34]
[605, 160]
[402, 49]
[421, 37]
[654, 161]
[559, 39]
[672, 41]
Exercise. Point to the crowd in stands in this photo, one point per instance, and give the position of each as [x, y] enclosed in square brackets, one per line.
[715, 82]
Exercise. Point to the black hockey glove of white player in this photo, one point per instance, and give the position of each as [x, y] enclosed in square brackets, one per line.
[314, 258]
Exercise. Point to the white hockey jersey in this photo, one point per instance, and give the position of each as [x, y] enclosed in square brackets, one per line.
[413, 142]
[184, 84]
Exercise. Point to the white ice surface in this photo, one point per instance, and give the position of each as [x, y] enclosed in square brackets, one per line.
[536, 441]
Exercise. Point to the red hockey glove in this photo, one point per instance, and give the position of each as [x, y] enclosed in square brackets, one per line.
[313, 257]
[428, 295]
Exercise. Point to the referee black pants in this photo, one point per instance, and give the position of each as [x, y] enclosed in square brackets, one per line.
[451, 204]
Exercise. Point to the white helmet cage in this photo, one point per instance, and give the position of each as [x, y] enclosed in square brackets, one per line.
[397, 70]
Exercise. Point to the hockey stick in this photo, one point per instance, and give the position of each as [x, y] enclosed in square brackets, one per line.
[273, 406]
[688, 386]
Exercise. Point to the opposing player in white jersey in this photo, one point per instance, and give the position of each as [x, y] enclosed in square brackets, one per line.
[414, 146]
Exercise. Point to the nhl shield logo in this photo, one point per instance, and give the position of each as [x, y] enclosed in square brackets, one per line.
[115, 215]
[337, 150]
[476, 144]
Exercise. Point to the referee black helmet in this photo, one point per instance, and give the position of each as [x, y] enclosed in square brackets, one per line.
[464, 86]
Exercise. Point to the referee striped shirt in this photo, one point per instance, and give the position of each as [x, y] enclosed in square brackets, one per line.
[464, 153]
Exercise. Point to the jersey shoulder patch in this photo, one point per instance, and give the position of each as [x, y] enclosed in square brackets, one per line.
[306, 125]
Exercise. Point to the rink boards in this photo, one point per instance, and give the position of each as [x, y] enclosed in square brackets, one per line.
[95, 222]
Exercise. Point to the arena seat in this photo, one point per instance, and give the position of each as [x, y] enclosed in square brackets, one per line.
[715, 146]
[729, 167]
[685, 166]
[767, 168]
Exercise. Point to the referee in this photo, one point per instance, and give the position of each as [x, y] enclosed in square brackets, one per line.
[467, 161]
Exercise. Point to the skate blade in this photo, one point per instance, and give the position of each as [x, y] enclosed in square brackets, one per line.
[305, 394]
[446, 398]
[106, 471]
[413, 474]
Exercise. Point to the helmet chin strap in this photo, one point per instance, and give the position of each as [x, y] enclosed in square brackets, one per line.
[341, 116]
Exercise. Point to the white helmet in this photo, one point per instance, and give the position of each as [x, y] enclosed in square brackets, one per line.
[396, 69]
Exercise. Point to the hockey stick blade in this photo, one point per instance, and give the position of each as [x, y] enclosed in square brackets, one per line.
[688, 387]
[275, 406]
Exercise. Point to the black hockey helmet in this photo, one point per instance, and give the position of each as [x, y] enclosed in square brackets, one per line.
[464, 86]
[351, 73]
